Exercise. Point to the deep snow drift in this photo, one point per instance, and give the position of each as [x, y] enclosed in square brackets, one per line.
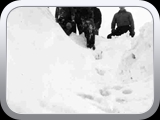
[49, 72]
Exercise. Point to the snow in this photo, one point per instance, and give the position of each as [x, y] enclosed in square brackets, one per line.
[50, 72]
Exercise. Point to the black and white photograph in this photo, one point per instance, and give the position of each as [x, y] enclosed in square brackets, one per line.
[80, 60]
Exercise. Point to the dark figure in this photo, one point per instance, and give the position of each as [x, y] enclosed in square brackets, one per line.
[82, 14]
[65, 16]
[124, 21]
[97, 19]
[89, 32]
[85, 23]
[78, 19]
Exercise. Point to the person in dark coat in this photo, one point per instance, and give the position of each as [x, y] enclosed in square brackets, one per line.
[85, 24]
[124, 21]
[65, 16]
[82, 14]
[97, 19]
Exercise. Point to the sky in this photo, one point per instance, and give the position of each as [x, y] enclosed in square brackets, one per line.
[140, 16]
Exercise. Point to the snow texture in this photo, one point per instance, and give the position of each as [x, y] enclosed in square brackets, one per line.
[50, 72]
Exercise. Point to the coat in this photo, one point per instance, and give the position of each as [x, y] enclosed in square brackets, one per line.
[122, 18]
[97, 17]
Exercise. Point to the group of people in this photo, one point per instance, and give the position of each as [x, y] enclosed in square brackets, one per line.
[88, 21]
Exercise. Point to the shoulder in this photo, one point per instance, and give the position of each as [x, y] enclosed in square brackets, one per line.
[116, 14]
[97, 10]
[128, 13]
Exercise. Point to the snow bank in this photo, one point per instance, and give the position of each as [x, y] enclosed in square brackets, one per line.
[43, 61]
[50, 72]
[137, 63]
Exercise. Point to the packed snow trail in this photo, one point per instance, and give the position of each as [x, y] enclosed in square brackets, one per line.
[50, 72]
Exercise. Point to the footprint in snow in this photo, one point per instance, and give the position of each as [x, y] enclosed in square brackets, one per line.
[117, 87]
[100, 72]
[98, 56]
[127, 91]
[121, 100]
[104, 92]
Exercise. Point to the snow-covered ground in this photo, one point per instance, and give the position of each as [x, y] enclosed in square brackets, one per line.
[50, 72]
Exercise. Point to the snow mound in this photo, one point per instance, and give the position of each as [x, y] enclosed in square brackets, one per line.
[137, 63]
[50, 72]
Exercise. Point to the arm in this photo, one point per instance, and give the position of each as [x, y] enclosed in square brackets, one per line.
[132, 33]
[113, 24]
[100, 18]
[97, 17]
[131, 21]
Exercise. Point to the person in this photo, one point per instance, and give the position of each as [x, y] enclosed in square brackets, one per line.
[124, 21]
[85, 24]
[97, 19]
[82, 14]
[65, 16]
